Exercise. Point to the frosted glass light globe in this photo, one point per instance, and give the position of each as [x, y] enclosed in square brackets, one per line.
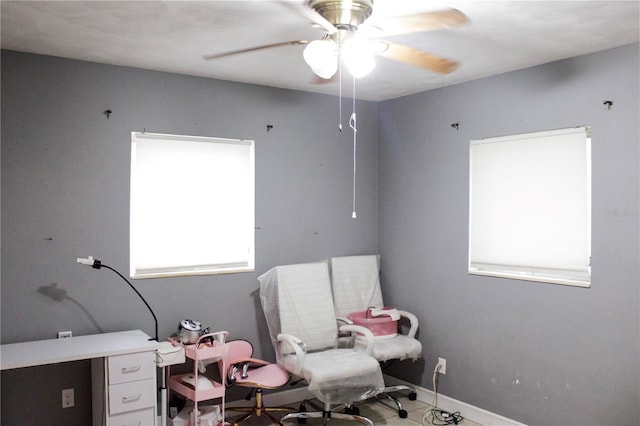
[322, 57]
[357, 56]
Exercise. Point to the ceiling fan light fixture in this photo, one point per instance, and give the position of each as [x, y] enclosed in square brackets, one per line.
[358, 56]
[328, 70]
[322, 57]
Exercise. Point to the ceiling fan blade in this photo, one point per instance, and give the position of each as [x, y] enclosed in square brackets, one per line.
[253, 49]
[421, 22]
[409, 55]
[316, 19]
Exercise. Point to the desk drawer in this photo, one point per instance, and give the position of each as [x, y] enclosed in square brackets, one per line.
[134, 418]
[131, 396]
[130, 367]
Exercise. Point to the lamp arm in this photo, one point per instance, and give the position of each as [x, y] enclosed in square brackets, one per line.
[97, 264]
[139, 295]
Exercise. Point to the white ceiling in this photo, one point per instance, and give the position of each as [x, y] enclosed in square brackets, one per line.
[174, 35]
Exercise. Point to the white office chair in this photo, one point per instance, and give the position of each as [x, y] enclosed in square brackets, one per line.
[298, 307]
[356, 288]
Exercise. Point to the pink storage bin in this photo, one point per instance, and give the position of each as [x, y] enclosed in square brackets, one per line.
[382, 326]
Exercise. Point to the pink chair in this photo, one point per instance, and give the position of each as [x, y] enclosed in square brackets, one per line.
[245, 371]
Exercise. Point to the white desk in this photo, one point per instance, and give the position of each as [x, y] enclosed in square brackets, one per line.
[53, 351]
[123, 371]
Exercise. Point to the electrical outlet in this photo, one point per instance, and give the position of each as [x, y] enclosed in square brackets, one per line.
[68, 399]
[442, 366]
[64, 334]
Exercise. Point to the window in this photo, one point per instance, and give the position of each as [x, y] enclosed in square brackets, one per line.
[192, 205]
[530, 206]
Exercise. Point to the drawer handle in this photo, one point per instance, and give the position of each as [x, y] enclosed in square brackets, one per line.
[131, 398]
[131, 369]
[133, 424]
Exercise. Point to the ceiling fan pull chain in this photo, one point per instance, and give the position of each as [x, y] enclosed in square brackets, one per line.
[354, 125]
[339, 95]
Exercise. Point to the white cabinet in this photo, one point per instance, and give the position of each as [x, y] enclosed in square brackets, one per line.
[124, 390]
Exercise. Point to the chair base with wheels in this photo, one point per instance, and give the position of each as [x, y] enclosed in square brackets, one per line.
[326, 413]
[402, 413]
[258, 410]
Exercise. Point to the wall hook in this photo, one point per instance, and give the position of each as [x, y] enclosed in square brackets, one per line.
[455, 126]
[107, 112]
[269, 127]
[608, 104]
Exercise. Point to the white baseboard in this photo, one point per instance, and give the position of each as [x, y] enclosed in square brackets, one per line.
[468, 411]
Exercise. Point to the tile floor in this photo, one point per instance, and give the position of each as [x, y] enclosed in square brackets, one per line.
[381, 412]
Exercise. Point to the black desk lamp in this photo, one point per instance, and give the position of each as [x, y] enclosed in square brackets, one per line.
[97, 264]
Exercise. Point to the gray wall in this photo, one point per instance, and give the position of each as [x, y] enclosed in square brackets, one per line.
[65, 194]
[540, 353]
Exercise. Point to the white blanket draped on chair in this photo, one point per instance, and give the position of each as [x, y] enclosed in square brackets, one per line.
[298, 306]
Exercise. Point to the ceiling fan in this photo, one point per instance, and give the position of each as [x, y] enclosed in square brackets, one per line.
[348, 37]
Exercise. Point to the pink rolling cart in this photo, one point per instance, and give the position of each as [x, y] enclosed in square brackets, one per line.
[210, 348]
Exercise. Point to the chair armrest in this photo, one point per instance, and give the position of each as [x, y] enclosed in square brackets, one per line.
[298, 347]
[365, 332]
[251, 361]
[343, 320]
[413, 320]
[345, 339]
[243, 365]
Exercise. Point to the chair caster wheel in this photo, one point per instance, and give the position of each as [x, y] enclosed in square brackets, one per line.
[403, 414]
[353, 410]
[302, 409]
[413, 396]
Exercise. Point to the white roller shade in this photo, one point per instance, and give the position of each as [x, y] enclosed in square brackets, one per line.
[192, 205]
[530, 206]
